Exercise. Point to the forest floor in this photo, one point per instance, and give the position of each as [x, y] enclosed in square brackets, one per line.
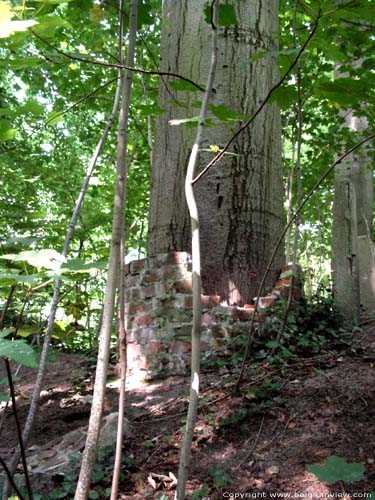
[259, 442]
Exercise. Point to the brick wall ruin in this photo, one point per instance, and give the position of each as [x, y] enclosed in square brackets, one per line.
[159, 314]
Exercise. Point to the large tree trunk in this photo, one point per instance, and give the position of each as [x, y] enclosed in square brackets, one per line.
[353, 262]
[240, 199]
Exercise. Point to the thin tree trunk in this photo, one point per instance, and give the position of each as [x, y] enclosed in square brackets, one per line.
[196, 263]
[89, 454]
[56, 294]
[122, 346]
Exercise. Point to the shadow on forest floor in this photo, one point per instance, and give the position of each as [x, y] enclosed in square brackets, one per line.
[259, 442]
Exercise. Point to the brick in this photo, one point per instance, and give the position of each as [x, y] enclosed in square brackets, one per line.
[136, 266]
[267, 301]
[148, 319]
[284, 282]
[205, 346]
[208, 318]
[182, 286]
[242, 314]
[134, 308]
[154, 347]
[133, 294]
[179, 347]
[210, 300]
[149, 291]
[132, 281]
[172, 258]
[150, 277]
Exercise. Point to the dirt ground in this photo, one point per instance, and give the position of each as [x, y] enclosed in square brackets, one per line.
[258, 442]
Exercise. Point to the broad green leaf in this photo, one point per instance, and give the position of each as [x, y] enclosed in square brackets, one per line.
[47, 259]
[80, 266]
[6, 132]
[336, 469]
[14, 279]
[224, 114]
[48, 25]
[19, 351]
[284, 96]
[24, 62]
[27, 330]
[54, 117]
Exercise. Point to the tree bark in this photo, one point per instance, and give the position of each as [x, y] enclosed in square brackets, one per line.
[352, 272]
[241, 199]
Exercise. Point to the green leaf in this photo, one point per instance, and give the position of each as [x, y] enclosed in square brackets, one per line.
[54, 117]
[6, 132]
[284, 96]
[336, 469]
[49, 24]
[18, 350]
[224, 114]
[46, 258]
[24, 62]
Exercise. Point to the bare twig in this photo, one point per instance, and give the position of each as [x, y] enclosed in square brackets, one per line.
[116, 65]
[252, 449]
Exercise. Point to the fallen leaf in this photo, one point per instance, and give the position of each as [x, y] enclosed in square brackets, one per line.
[139, 486]
[152, 482]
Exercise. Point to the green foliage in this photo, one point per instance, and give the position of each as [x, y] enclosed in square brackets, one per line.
[336, 469]
[220, 476]
[17, 350]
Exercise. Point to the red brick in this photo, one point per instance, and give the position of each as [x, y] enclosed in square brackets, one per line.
[205, 346]
[179, 347]
[210, 300]
[154, 347]
[249, 307]
[284, 281]
[183, 286]
[172, 258]
[242, 314]
[145, 320]
[170, 272]
[136, 266]
[150, 277]
[138, 307]
[149, 291]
